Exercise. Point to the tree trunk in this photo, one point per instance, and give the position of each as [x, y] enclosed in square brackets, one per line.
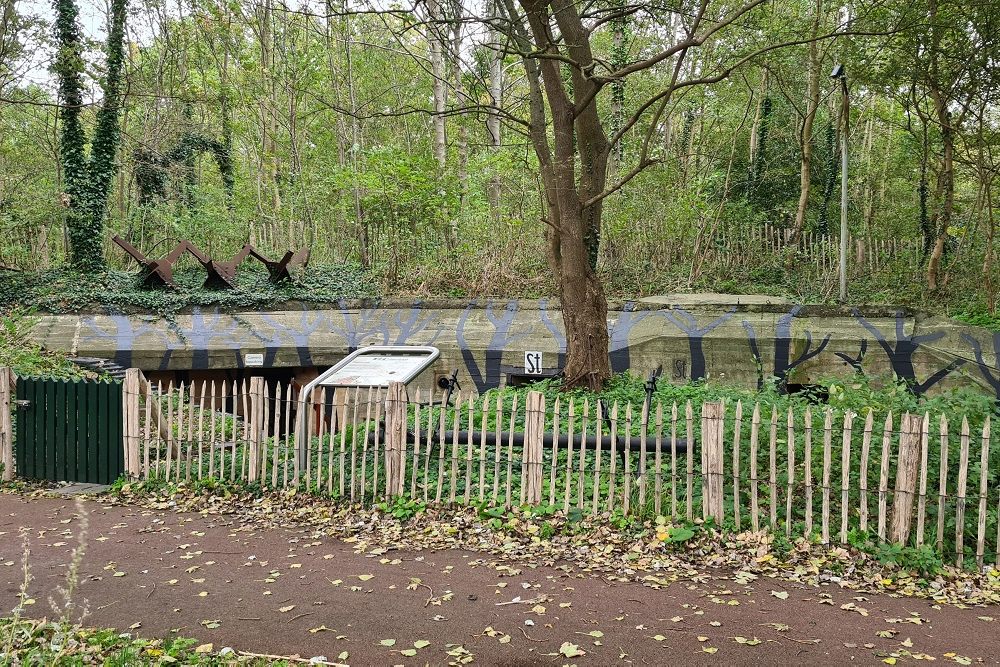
[573, 201]
[493, 125]
[440, 89]
[805, 137]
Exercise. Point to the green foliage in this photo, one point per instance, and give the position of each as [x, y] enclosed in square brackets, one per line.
[88, 178]
[986, 320]
[25, 357]
[151, 167]
[29, 642]
[922, 559]
[65, 290]
[401, 508]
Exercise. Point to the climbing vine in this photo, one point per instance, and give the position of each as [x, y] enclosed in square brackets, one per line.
[619, 58]
[151, 167]
[88, 178]
[823, 224]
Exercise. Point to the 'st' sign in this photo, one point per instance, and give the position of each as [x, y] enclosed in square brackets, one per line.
[532, 363]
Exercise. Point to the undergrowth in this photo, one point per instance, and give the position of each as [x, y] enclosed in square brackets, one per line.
[25, 357]
[64, 290]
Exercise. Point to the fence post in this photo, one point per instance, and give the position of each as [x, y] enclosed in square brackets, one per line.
[907, 469]
[256, 426]
[712, 424]
[7, 385]
[395, 439]
[534, 432]
[130, 419]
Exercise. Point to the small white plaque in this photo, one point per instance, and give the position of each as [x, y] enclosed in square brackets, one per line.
[532, 363]
[253, 359]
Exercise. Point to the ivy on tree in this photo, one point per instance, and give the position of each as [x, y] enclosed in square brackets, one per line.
[88, 177]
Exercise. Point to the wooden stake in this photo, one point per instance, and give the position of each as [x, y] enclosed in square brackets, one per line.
[534, 432]
[712, 431]
[827, 456]
[963, 478]
[807, 456]
[984, 475]
[845, 475]
[942, 483]
[754, 481]
[737, 426]
[581, 480]
[657, 462]
[865, 453]
[922, 496]
[907, 470]
[883, 483]
[790, 486]
[689, 414]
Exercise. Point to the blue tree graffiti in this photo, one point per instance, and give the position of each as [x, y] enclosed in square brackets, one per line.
[417, 320]
[199, 336]
[688, 324]
[619, 333]
[784, 364]
[557, 333]
[900, 353]
[309, 323]
[122, 334]
[359, 329]
[488, 376]
[986, 370]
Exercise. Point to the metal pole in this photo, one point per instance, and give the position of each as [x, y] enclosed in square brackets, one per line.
[846, 120]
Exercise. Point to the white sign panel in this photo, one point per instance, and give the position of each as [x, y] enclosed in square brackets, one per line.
[253, 359]
[532, 363]
[379, 366]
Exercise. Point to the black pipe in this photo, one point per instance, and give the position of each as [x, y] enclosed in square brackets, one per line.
[635, 442]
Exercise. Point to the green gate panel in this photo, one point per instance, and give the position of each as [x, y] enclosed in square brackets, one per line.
[69, 430]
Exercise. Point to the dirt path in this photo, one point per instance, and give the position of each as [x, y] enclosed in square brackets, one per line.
[290, 592]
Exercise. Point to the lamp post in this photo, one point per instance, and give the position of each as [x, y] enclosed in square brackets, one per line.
[845, 119]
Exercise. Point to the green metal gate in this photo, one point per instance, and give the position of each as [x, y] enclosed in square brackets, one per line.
[69, 430]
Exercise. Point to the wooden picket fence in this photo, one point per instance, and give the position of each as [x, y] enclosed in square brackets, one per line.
[817, 472]
[741, 248]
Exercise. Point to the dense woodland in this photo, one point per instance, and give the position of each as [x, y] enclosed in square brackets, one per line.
[515, 148]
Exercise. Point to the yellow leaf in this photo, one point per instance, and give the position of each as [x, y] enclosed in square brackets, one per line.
[710, 649]
[889, 661]
[702, 638]
[366, 577]
[204, 648]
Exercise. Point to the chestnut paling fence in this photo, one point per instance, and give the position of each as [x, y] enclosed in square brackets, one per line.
[913, 479]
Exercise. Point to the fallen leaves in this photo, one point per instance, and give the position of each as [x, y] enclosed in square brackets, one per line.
[570, 650]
